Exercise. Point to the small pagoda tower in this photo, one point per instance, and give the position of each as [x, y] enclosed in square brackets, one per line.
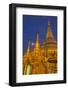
[38, 59]
[36, 51]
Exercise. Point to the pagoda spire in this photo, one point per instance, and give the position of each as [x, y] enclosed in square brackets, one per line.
[28, 49]
[37, 44]
[49, 34]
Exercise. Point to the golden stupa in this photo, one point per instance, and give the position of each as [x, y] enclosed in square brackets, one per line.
[41, 60]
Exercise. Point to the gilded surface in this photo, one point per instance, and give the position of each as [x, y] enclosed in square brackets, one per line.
[41, 60]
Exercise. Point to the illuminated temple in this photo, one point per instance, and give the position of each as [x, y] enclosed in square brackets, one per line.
[41, 59]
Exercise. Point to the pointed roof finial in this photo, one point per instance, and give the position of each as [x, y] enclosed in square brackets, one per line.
[37, 36]
[49, 32]
[37, 44]
[28, 49]
[49, 24]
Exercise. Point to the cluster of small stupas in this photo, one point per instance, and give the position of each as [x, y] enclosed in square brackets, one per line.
[41, 60]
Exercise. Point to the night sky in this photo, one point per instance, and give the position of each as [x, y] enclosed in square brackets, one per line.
[33, 24]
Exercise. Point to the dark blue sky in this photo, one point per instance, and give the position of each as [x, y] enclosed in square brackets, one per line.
[33, 24]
